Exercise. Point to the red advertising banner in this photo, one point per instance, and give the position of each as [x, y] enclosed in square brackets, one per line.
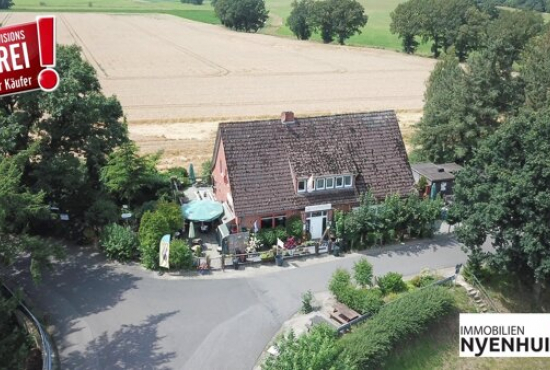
[27, 53]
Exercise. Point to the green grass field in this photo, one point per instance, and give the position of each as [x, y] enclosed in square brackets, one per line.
[375, 34]
[200, 13]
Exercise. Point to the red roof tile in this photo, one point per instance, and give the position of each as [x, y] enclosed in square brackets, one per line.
[261, 156]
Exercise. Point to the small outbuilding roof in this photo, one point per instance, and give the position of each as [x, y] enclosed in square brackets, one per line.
[436, 172]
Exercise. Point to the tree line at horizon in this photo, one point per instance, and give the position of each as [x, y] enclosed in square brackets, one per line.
[463, 26]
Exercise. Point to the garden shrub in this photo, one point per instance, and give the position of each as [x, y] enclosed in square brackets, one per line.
[307, 298]
[269, 236]
[423, 280]
[339, 282]
[369, 344]
[392, 282]
[152, 228]
[294, 227]
[362, 272]
[362, 300]
[119, 242]
[181, 256]
[172, 212]
[315, 350]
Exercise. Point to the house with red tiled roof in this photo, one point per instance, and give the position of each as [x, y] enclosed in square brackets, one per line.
[266, 171]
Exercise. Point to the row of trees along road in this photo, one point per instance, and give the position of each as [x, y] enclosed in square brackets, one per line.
[338, 19]
[496, 122]
[465, 25]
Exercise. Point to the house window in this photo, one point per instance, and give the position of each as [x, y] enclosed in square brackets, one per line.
[330, 182]
[280, 221]
[320, 184]
[267, 223]
[339, 181]
[347, 181]
[302, 186]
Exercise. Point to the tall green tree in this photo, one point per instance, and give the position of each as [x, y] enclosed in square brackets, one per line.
[349, 18]
[508, 34]
[463, 106]
[6, 4]
[444, 127]
[322, 19]
[299, 20]
[406, 23]
[535, 71]
[472, 34]
[132, 178]
[503, 194]
[339, 19]
[72, 129]
[241, 15]
[19, 207]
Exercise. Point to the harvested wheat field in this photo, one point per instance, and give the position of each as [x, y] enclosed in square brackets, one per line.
[176, 78]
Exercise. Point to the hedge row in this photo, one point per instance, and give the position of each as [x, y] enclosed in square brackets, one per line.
[369, 344]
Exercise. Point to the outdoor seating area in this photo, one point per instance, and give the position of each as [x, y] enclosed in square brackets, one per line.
[342, 314]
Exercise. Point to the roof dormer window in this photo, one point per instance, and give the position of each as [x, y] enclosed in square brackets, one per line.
[316, 184]
[347, 181]
[302, 186]
[320, 184]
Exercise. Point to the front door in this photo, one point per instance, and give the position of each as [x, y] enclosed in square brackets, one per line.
[317, 223]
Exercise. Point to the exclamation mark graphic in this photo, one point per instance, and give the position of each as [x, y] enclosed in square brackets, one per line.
[48, 79]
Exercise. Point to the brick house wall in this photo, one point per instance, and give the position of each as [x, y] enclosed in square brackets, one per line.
[220, 178]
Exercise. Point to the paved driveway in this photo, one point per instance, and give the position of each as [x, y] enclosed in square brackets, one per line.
[110, 316]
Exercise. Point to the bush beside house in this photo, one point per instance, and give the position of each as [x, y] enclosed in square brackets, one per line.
[181, 256]
[376, 223]
[119, 242]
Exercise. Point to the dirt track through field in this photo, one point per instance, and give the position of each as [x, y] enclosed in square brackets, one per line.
[176, 78]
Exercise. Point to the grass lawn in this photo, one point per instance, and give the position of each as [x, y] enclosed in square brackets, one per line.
[437, 348]
[200, 13]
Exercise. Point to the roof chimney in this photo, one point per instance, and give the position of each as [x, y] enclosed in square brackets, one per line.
[287, 117]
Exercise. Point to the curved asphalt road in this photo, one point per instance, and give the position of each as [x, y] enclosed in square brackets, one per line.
[110, 316]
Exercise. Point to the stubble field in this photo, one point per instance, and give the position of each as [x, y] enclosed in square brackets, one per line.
[177, 79]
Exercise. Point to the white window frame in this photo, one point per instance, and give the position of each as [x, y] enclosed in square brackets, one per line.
[304, 181]
[350, 181]
[317, 187]
[341, 178]
[326, 183]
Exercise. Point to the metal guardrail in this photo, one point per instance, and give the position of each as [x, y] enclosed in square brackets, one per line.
[48, 355]
[480, 287]
[347, 326]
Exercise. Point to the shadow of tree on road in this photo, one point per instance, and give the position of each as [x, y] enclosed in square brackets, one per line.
[413, 247]
[131, 347]
[82, 284]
